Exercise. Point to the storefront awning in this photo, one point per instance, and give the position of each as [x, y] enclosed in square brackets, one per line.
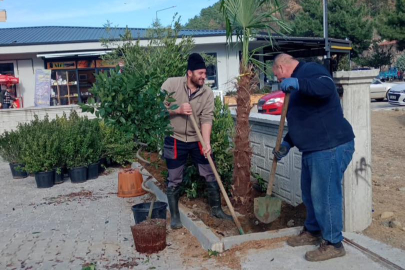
[72, 54]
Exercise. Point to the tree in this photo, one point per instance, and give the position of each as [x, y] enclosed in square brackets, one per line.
[210, 18]
[130, 98]
[308, 23]
[401, 62]
[347, 19]
[245, 18]
[377, 58]
[391, 24]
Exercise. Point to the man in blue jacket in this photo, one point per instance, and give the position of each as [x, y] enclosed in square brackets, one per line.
[316, 126]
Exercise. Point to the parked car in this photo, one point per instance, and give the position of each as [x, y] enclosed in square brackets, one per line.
[379, 89]
[271, 103]
[396, 95]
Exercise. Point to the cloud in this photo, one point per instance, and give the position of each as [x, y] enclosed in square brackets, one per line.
[87, 9]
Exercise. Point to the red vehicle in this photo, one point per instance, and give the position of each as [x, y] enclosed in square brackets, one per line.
[271, 103]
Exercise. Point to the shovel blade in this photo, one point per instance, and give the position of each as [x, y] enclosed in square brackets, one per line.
[267, 209]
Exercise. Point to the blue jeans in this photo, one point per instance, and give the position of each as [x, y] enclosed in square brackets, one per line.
[321, 186]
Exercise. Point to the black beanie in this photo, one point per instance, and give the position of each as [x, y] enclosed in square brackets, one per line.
[195, 61]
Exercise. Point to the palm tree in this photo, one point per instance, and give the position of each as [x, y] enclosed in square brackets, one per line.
[245, 19]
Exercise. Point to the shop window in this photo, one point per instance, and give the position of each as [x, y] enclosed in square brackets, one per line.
[212, 78]
[64, 87]
[7, 69]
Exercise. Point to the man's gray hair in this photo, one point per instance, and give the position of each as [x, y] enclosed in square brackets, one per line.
[282, 58]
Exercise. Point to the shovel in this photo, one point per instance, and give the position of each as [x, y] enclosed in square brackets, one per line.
[221, 186]
[153, 200]
[267, 209]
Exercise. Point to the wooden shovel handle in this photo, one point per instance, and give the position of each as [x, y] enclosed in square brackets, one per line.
[278, 143]
[221, 186]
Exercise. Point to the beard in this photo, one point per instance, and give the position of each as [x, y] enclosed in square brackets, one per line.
[197, 82]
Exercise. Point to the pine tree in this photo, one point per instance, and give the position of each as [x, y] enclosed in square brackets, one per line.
[391, 24]
[347, 19]
[210, 18]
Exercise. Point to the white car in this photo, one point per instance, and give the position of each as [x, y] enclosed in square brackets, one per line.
[379, 89]
[396, 95]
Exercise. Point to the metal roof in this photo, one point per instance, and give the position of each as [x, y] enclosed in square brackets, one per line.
[70, 34]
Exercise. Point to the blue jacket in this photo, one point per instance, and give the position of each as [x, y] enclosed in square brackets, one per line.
[315, 116]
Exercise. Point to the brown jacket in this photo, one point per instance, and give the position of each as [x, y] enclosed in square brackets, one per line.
[202, 104]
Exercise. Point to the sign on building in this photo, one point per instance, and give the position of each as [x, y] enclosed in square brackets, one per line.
[42, 88]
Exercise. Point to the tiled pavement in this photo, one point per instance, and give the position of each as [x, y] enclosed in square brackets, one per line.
[40, 230]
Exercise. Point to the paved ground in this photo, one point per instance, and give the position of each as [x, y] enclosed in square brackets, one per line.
[384, 106]
[40, 230]
[54, 229]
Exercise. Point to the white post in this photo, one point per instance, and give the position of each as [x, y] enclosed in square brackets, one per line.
[357, 184]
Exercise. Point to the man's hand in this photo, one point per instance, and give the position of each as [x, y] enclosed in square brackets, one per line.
[185, 109]
[283, 151]
[207, 150]
[290, 84]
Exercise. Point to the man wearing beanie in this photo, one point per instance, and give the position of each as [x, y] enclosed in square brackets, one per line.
[192, 97]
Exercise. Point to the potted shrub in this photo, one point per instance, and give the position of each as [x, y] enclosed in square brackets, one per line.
[40, 150]
[61, 129]
[117, 146]
[76, 147]
[10, 151]
[95, 149]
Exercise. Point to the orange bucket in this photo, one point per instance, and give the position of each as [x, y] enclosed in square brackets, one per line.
[130, 183]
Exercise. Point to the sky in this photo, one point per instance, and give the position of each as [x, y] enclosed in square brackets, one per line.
[96, 13]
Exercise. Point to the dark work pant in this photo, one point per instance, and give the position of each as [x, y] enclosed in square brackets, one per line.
[176, 153]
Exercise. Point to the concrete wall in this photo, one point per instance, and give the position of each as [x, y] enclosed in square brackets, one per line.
[25, 66]
[264, 130]
[9, 119]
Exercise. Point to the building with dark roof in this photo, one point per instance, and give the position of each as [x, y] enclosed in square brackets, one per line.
[73, 56]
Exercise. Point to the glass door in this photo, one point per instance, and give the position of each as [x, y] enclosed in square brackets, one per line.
[86, 81]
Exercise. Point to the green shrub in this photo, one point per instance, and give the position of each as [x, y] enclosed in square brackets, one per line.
[42, 146]
[131, 99]
[83, 144]
[117, 146]
[10, 146]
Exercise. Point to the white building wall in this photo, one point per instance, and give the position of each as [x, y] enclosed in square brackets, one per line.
[25, 66]
[227, 64]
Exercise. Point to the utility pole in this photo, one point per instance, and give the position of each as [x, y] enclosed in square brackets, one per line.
[326, 36]
[3, 15]
[162, 10]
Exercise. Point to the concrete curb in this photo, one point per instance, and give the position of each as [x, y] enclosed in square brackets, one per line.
[389, 253]
[205, 236]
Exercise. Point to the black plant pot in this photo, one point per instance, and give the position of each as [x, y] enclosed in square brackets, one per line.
[59, 177]
[78, 174]
[17, 170]
[93, 171]
[45, 179]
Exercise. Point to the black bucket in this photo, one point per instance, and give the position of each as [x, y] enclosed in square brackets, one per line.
[141, 211]
[78, 174]
[59, 177]
[17, 170]
[93, 171]
[45, 179]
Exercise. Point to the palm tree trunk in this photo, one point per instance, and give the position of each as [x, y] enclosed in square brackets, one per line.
[247, 82]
